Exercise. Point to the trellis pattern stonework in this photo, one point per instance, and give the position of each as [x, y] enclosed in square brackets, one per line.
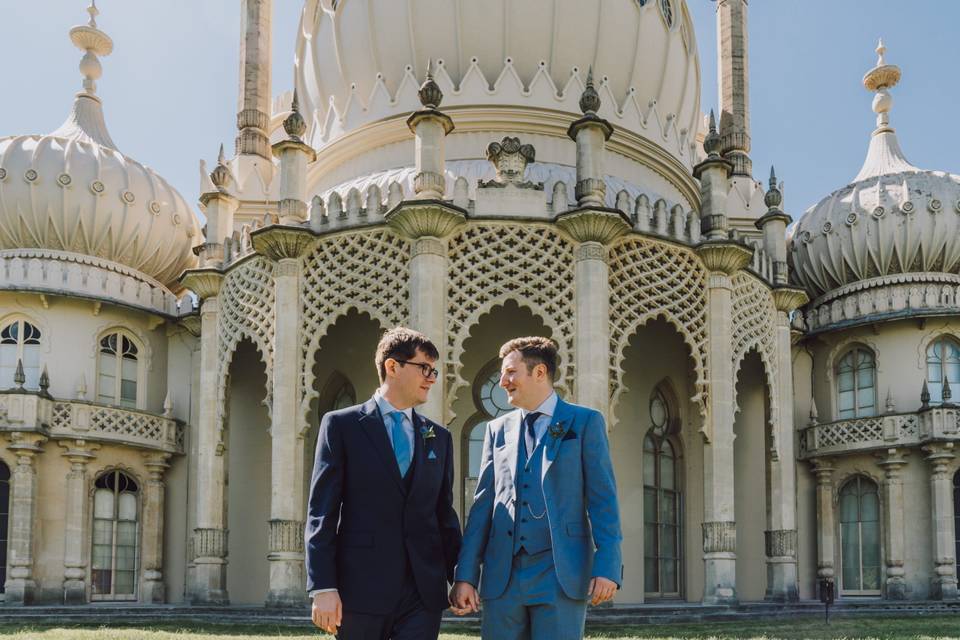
[650, 279]
[754, 327]
[245, 311]
[490, 264]
[363, 270]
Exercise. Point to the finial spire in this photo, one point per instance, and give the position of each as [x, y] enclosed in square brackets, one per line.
[589, 99]
[430, 94]
[924, 395]
[94, 12]
[94, 42]
[880, 51]
[711, 143]
[220, 176]
[773, 198]
[879, 79]
[294, 124]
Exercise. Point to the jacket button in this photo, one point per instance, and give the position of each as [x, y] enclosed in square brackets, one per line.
[523, 520]
[523, 537]
[526, 486]
[510, 533]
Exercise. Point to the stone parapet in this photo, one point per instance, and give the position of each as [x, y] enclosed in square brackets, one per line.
[880, 432]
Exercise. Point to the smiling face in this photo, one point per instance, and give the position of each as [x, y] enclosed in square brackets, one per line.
[526, 387]
[405, 385]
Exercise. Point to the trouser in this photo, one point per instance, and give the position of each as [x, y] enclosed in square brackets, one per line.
[534, 605]
[408, 621]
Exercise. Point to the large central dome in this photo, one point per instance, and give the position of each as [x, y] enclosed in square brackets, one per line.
[360, 62]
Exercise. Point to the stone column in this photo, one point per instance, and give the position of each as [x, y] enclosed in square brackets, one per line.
[893, 461]
[20, 587]
[294, 156]
[152, 589]
[594, 230]
[826, 528]
[944, 583]
[733, 41]
[781, 536]
[722, 259]
[76, 525]
[210, 535]
[253, 116]
[285, 245]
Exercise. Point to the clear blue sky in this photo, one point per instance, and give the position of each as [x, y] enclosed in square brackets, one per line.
[170, 87]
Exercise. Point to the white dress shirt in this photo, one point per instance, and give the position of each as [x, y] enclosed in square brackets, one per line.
[546, 410]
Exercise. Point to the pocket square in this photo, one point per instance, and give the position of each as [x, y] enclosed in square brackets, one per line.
[431, 455]
[569, 435]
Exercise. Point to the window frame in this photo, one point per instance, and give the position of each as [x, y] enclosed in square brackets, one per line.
[935, 387]
[5, 469]
[32, 373]
[141, 355]
[138, 542]
[859, 593]
[858, 412]
[480, 416]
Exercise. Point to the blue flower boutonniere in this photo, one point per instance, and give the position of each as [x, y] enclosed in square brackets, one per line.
[557, 430]
[426, 433]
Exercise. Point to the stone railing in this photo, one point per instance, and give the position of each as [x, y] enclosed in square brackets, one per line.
[78, 419]
[64, 273]
[880, 432]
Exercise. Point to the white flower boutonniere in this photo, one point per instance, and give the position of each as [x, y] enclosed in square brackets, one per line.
[426, 433]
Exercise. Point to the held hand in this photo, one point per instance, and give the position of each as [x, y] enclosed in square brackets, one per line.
[601, 590]
[464, 598]
[327, 611]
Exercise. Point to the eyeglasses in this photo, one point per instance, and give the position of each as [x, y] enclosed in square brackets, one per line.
[425, 369]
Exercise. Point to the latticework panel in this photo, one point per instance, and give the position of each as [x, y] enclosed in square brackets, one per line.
[650, 279]
[754, 322]
[364, 270]
[490, 264]
[246, 308]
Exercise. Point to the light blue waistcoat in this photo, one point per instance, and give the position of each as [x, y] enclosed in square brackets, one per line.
[531, 533]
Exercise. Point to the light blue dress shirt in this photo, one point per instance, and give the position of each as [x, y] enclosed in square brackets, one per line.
[546, 409]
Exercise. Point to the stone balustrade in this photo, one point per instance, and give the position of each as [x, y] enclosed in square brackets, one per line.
[892, 430]
[77, 419]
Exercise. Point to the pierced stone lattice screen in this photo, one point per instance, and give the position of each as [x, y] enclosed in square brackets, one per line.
[650, 279]
[492, 263]
[367, 271]
[754, 327]
[246, 307]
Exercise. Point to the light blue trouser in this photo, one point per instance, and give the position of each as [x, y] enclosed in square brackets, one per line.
[534, 606]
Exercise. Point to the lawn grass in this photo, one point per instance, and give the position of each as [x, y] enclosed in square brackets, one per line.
[787, 628]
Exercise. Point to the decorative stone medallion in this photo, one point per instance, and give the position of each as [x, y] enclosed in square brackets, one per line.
[510, 158]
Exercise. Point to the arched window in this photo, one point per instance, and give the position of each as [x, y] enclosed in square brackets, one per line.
[118, 370]
[4, 520]
[346, 396]
[491, 401]
[956, 518]
[860, 537]
[667, 7]
[19, 341]
[856, 384]
[662, 506]
[943, 361]
[115, 537]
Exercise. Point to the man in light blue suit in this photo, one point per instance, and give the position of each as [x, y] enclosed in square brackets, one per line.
[545, 525]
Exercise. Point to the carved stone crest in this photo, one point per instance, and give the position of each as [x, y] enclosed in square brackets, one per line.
[511, 159]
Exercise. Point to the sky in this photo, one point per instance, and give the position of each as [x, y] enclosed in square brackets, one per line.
[170, 86]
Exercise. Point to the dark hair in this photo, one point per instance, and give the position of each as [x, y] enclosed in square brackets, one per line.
[401, 343]
[535, 350]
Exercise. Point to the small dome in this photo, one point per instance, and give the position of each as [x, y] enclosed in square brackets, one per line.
[892, 219]
[72, 190]
[359, 62]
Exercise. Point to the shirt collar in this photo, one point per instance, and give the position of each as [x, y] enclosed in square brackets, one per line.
[546, 408]
[387, 408]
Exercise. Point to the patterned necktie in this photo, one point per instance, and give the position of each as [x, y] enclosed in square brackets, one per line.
[529, 435]
[401, 446]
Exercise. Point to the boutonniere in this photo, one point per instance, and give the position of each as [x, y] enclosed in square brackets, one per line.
[426, 433]
[557, 429]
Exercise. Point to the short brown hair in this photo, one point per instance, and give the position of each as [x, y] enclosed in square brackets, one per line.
[535, 350]
[401, 343]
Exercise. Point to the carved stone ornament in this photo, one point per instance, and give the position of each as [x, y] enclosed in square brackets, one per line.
[724, 256]
[594, 225]
[781, 543]
[788, 298]
[510, 158]
[419, 218]
[720, 537]
[286, 536]
[210, 543]
[279, 242]
[203, 282]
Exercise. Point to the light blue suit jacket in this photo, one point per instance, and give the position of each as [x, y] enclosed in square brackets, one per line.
[581, 499]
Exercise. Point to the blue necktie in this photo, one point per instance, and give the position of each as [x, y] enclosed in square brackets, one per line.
[529, 435]
[401, 446]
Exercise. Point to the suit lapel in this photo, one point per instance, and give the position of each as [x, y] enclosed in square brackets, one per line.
[419, 451]
[372, 424]
[562, 416]
[511, 437]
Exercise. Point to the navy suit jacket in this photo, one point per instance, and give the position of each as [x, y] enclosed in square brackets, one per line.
[364, 522]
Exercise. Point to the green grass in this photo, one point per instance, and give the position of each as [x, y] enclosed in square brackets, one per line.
[788, 628]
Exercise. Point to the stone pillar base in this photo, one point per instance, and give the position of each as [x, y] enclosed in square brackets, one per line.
[287, 582]
[19, 592]
[153, 591]
[210, 582]
[895, 589]
[944, 590]
[74, 592]
[720, 578]
[782, 580]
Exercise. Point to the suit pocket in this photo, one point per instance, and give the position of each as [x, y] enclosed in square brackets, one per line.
[356, 539]
[577, 530]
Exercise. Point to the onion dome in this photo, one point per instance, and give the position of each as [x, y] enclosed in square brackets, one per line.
[358, 62]
[73, 191]
[894, 219]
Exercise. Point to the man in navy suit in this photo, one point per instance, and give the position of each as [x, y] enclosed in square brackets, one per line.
[382, 536]
[545, 525]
